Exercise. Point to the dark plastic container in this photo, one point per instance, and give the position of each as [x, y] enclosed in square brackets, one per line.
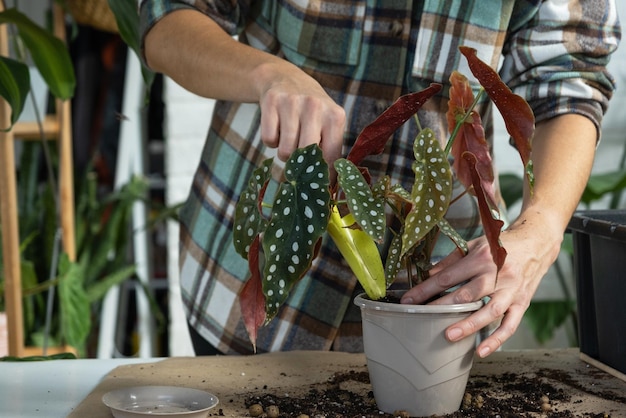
[600, 266]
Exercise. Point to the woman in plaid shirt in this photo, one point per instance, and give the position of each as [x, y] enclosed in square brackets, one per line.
[317, 71]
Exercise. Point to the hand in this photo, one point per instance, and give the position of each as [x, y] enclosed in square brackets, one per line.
[531, 250]
[297, 112]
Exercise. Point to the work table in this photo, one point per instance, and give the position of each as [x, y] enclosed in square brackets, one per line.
[74, 388]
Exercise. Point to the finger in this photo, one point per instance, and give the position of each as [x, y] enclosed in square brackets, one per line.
[269, 127]
[492, 311]
[289, 127]
[507, 328]
[310, 128]
[471, 291]
[447, 261]
[459, 272]
[332, 133]
[421, 292]
[332, 140]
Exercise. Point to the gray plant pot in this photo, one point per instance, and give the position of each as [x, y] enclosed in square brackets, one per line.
[412, 366]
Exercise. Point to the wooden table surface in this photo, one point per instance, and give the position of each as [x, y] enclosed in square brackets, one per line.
[590, 391]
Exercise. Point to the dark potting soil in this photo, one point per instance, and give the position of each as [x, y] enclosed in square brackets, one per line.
[508, 395]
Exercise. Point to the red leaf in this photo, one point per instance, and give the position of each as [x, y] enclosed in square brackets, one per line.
[517, 114]
[470, 136]
[491, 225]
[374, 136]
[251, 298]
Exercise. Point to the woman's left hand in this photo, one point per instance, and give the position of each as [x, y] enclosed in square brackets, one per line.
[563, 151]
[531, 250]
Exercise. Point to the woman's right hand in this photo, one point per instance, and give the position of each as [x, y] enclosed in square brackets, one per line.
[297, 112]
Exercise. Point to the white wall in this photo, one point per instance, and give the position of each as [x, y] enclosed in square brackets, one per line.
[187, 123]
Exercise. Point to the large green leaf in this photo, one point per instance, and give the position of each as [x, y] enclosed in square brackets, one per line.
[512, 188]
[545, 317]
[300, 215]
[360, 252]
[74, 304]
[98, 289]
[599, 185]
[34, 303]
[14, 86]
[48, 52]
[127, 18]
[107, 236]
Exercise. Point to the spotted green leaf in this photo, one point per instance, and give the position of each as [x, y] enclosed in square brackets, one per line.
[368, 210]
[382, 187]
[400, 192]
[299, 217]
[431, 191]
[249, 221]
[447, 230]
[393, 264]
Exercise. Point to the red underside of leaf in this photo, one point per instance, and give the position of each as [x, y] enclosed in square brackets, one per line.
[517, 114]
[470, 137]
[372, 139]
[251, 298]
[491, 226]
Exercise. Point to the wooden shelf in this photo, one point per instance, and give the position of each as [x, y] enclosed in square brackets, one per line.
[55, 127]
[29, 131]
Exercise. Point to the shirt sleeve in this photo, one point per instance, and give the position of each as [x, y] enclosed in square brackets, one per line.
[556, 59]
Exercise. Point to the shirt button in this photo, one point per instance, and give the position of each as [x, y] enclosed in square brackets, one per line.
[396, 28]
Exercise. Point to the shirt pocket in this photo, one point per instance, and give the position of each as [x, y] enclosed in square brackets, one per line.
[317, 30]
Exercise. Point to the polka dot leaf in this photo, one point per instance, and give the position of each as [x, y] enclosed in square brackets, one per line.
[394, 261]
[299, 217]
[431, 191]
[249, 220]
[368, 209]
[446, 229]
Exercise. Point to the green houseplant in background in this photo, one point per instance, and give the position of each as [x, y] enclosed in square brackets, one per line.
[32, 43]
[279, 236]
[102, 228]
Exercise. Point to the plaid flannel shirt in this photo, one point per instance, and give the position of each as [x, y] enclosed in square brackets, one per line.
[366, 53]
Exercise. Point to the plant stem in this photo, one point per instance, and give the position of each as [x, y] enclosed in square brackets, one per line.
[460, 123]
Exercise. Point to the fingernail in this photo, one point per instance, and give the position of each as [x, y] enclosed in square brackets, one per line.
[454, 334]
[407, 301]
[484, 352]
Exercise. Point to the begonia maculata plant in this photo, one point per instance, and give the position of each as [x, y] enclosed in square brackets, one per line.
[280, 238]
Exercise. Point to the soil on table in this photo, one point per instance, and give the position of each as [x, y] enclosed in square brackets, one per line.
[348, 395]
